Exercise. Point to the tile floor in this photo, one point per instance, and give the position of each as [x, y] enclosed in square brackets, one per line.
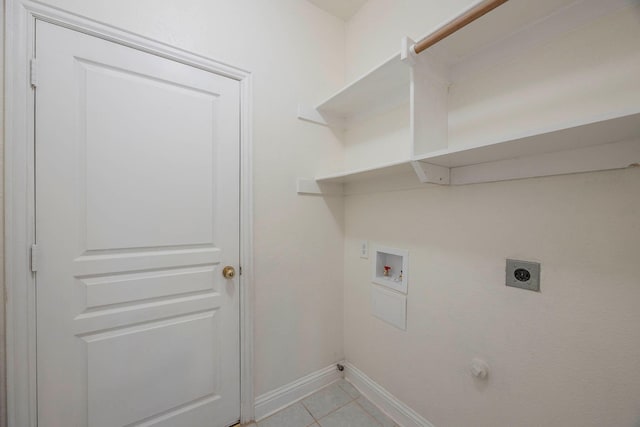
[337, 405]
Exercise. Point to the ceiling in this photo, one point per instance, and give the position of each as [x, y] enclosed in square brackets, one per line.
[341, 8]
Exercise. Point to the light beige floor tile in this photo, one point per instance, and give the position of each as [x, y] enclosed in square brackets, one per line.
[294, 416]
[351, 415]
[375, 412]
[326, 400]
[349, 388]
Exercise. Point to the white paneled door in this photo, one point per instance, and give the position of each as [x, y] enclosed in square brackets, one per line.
[137, 213]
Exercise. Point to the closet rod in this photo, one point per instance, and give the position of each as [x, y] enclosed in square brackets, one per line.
[461, 21]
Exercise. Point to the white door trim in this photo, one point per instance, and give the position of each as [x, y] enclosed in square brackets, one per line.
[19, 196]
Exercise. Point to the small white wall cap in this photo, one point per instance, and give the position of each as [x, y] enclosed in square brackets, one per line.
[479, 368]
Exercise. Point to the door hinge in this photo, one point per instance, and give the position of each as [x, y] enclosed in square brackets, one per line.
[33, 71]
[34, 258]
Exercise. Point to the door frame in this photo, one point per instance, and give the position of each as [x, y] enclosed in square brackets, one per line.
[19, 207]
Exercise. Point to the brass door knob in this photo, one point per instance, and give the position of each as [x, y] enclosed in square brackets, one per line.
[228, 272]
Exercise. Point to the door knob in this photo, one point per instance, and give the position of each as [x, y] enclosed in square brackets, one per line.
[228, 272]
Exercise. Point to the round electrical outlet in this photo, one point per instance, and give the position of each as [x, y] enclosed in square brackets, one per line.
[522, 275]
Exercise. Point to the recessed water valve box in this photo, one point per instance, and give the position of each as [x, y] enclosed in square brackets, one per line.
[523, 275]
[390, 268]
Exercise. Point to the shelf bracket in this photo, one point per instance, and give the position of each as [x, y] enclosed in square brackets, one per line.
[312, 187]
[407, 54]
[312, 115]
[431, 174]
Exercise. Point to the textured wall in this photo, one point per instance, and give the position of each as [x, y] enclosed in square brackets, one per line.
[568, 356]
[296, 53]
[375, 31]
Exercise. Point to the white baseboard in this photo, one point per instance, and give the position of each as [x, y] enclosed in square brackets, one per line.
[272, 401]
[388, 403]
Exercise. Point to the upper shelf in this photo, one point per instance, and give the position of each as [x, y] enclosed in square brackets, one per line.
[506, 31]
[387, 85]
[532, 89]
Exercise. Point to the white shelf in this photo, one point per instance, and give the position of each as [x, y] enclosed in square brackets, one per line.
[600, 145]
[572, 138]
[620, 127]
[502, 32]
[383, 88]
[363, 174]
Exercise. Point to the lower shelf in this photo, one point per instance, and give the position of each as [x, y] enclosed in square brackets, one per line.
[610, 143]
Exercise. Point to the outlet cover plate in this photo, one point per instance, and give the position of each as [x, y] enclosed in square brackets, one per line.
[523, 275]
[364, 249]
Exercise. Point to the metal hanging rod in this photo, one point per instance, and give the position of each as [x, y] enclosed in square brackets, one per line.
[461, 21]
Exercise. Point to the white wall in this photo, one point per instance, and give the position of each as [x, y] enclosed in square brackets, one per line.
[568, 356]
[375, 31]
[296, 53]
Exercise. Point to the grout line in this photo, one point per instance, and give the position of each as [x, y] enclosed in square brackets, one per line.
[368, 413]
[345, 390]
[373, 404]
[329, 413]
[335, 410]
[309, 412]
[316, 421]
[282, 410]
